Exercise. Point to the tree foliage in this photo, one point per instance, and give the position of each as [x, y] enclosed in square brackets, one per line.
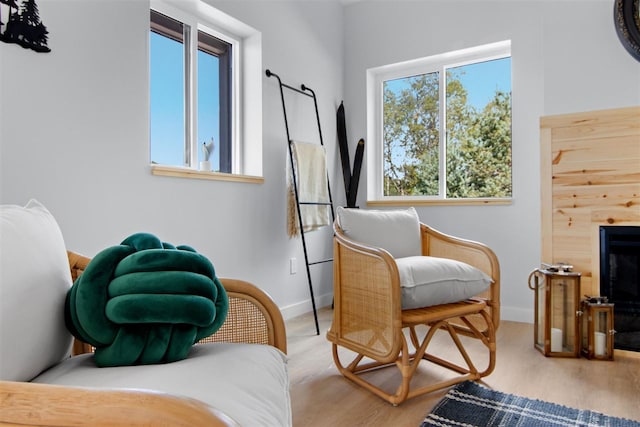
[478, 143]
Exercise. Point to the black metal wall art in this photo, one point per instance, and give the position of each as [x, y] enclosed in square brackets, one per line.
[626, 14]
[21, 24]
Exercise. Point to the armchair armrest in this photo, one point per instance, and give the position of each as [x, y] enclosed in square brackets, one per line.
[438, 244]
[367, 299]
[29, 404]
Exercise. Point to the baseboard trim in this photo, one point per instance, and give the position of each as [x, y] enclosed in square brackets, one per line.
[517, 314]
[304, 307]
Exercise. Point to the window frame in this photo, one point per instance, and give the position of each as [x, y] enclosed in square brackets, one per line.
[376, 77]
[245, 98]
[219, 46]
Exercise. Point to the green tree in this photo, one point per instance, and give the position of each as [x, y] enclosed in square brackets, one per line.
[478, 157]
[459, 120]
[411, 136]
[487, 152]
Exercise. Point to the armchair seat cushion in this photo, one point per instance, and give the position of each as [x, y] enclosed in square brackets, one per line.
[427, 281]
[247, 382]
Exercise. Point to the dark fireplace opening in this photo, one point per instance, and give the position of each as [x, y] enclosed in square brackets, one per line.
[620, 281]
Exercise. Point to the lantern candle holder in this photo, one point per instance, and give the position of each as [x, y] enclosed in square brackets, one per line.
[597, 328]
[557, 310]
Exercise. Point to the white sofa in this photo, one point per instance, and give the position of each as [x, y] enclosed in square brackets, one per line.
[219, 383]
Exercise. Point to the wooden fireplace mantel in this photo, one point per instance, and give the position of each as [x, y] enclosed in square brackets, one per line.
[590, 176]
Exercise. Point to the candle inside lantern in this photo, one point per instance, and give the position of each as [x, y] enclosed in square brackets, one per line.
[600, 343]
[556, 340]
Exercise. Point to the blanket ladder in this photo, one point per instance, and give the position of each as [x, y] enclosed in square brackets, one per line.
[306, 91]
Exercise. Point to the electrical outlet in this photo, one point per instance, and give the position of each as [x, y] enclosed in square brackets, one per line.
[293, 266]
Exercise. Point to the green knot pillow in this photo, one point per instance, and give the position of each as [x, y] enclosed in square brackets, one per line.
[145, 301]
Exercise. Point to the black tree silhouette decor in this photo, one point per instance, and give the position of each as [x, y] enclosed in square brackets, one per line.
[23, 26]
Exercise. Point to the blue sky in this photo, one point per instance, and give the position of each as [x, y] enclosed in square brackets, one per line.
[167, 100]
[167, 130]
[481, 80]
[484, 78]
[209, 105]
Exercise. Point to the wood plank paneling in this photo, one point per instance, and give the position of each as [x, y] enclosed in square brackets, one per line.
[594, 196]
[601, 129]
[590, 176]
[587, 149]
[598, 118]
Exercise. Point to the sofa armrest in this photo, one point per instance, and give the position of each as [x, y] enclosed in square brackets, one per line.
[253, 316]
[77, 264]
[66, 406]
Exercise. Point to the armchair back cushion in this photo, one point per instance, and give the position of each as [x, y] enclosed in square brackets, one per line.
[34, 280]
[396, 231]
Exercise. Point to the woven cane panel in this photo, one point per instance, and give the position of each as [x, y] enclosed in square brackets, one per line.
[245, 323]
[366, 308]
[470, 255]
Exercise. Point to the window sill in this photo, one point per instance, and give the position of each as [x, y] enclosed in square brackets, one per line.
[440, 202]
[179, 172]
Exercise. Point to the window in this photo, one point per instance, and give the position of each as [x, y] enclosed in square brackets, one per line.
[441, 127]
[178, 133]
[205, 87]
[214, 99]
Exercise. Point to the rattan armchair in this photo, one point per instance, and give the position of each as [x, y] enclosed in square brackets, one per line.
[368, 318]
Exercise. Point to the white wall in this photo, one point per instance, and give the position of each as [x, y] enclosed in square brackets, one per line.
[565, 57]
[74, 123]
[74, 134]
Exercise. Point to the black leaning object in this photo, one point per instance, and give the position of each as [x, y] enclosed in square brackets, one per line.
[351, 179]
[355, 177]
[344, 148]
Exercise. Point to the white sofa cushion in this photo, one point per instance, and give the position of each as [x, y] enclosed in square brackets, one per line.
[396, 231]
[248, 382]
[34, 279]
[427, 281]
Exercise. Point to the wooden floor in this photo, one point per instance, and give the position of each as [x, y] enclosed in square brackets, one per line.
[322, 397]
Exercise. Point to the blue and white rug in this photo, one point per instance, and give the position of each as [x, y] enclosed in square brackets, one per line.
[470, 404]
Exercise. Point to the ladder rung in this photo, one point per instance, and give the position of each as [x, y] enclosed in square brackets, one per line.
[295, 89]
[321, 262]
[315, 203]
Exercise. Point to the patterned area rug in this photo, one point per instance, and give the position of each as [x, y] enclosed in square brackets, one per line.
[470, 404]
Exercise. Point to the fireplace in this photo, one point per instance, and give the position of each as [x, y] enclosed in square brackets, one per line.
[620, 281]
